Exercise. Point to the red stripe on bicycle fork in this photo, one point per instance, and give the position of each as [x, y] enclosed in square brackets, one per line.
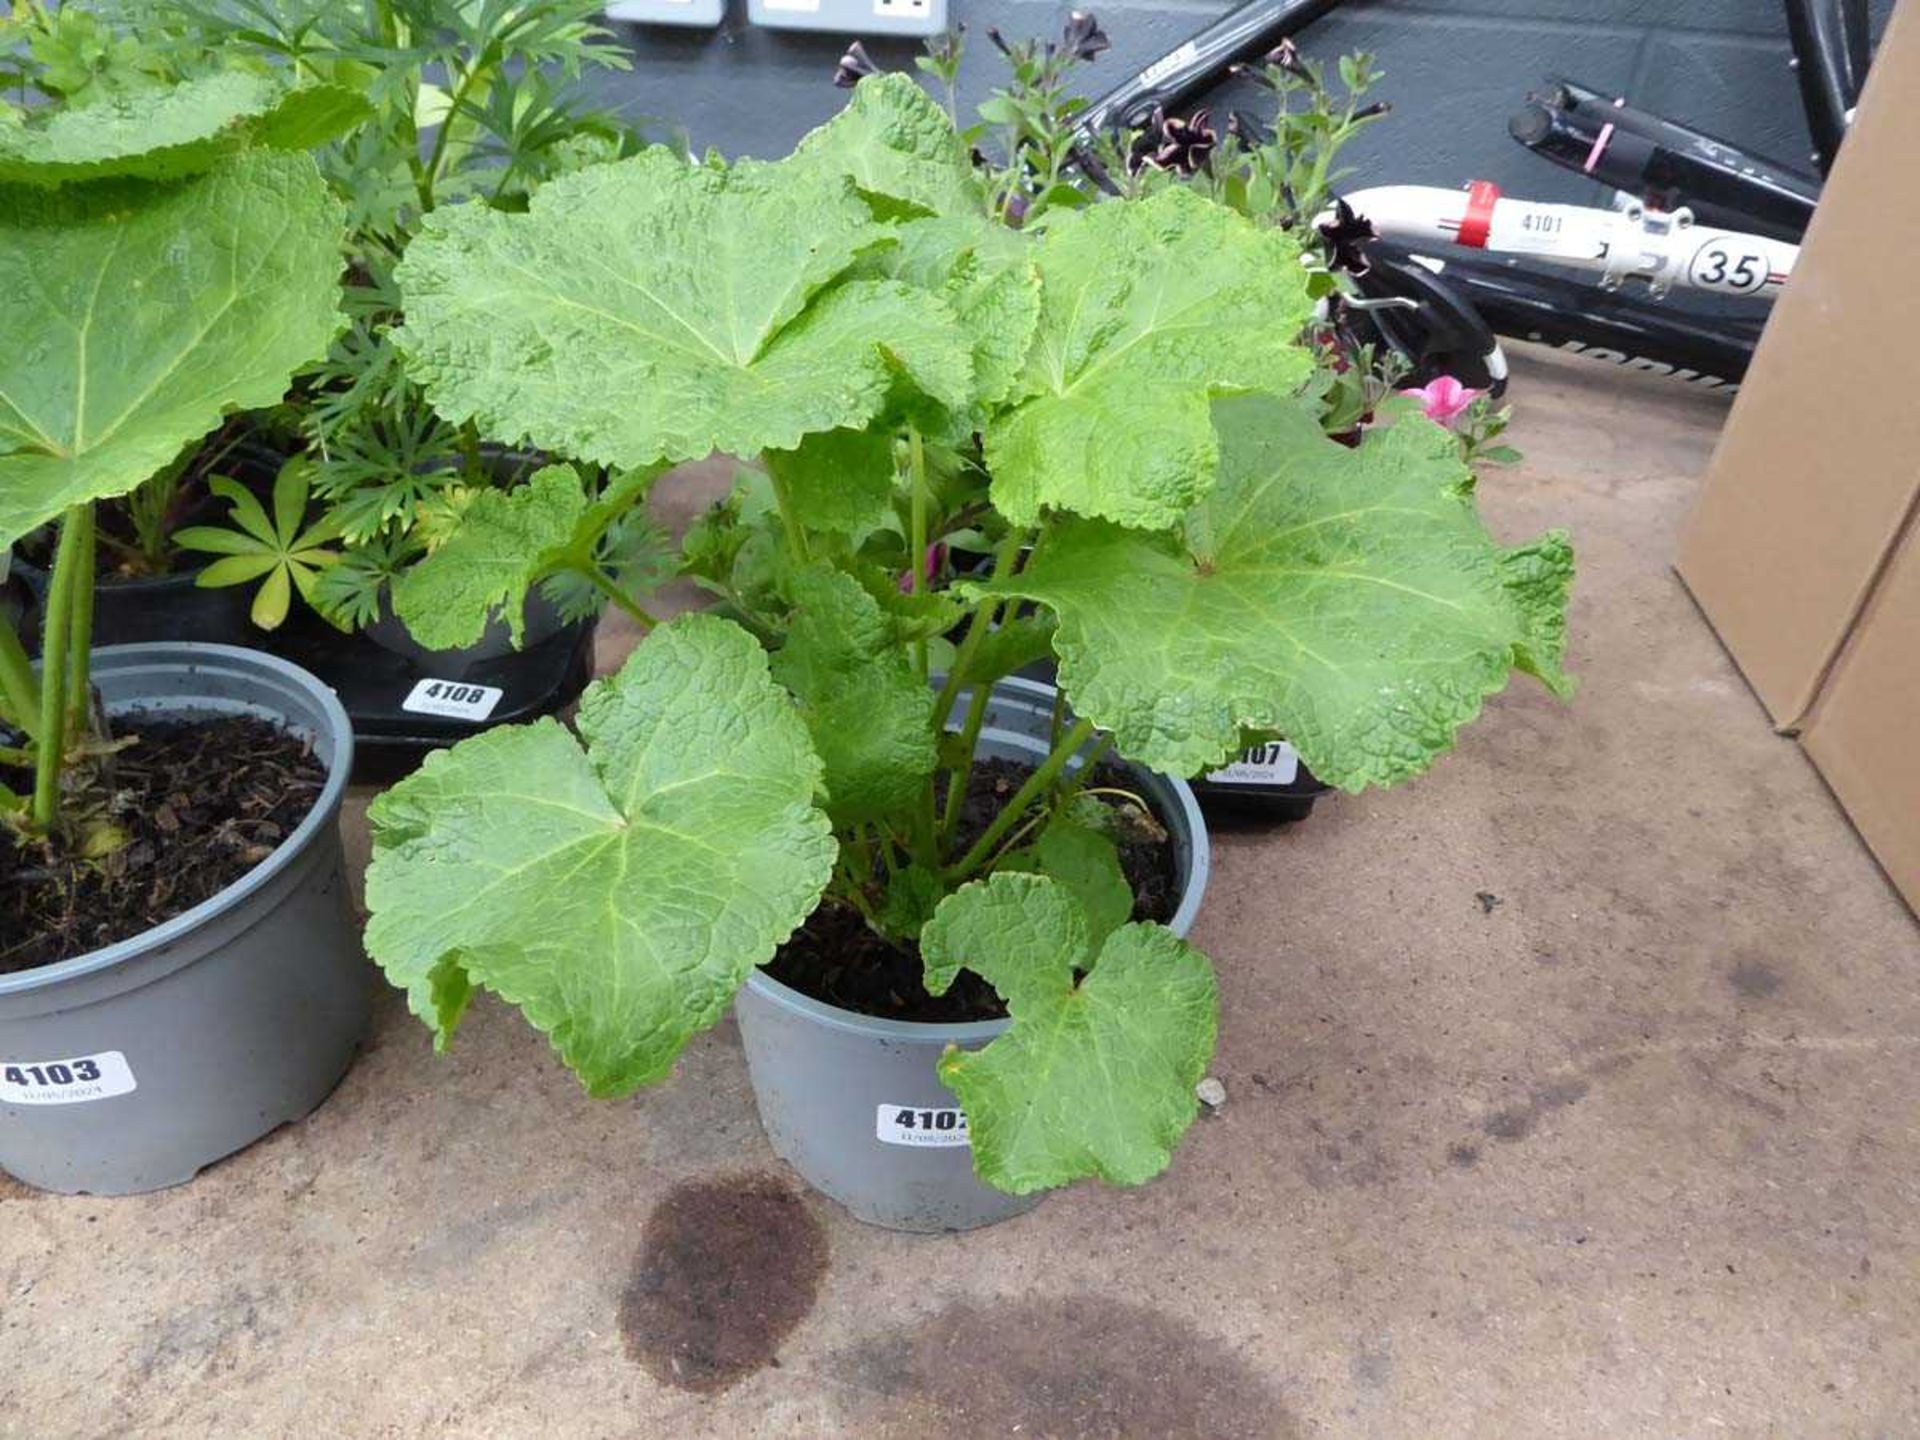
[1478, 220]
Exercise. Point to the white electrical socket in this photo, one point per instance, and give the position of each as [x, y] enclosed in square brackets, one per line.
[852, 17]
[699, 14]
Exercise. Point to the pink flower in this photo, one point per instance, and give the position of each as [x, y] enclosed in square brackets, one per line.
[1444, 399]
[936, 553]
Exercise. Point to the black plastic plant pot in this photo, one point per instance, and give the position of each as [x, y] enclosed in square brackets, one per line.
[149, 609]
[405, 701]
[134, 1067]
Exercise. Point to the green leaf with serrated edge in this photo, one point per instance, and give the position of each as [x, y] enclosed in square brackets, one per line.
[1349, 599]
[138, 315]
[183, 129]
[446, 599]
[618, 893]
[1095, 1076]
[839, 480]
[870, 715]
[895, 141]
[1540, 579]
[1088, 864]
[1010, 645]
[1148, 310]
[648, 310]
[987, 276]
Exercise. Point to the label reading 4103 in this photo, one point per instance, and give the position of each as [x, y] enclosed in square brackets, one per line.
[897, 1124]
[73, 1081]
[455, 699]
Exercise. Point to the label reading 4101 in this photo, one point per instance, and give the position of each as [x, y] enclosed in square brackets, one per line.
[898, 1124]
[455, 699]
[72, 1081]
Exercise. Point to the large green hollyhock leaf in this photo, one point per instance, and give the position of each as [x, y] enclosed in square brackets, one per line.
[870, 715]
[136, 315]
[1149, 309]
[649, 310]
[987, 276]
[618, 894]
[1096, 1075]
[180, 130]
[1350, 600]
[896, 143]
[490, 562]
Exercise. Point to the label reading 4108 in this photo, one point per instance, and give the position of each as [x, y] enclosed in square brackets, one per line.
[910, 1125]
[72, 1081]
[455, 699]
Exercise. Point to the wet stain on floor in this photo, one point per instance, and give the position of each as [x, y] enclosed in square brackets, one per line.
[1754, 979]
[727, 1268]
[1516, 1122]
[1063, 1367]
[12, 1189]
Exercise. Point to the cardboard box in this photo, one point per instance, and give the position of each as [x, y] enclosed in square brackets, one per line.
[1804, 547]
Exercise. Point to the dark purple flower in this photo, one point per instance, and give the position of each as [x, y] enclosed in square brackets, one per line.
[1083, 38]
[1347, 235]
[854, 67]
[1171, 143]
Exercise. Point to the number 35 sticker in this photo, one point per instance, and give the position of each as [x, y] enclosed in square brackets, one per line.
[65, 1082]
[1716, 266]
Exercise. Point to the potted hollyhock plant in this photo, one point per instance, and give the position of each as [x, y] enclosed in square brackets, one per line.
[950, 917]
[179, 971]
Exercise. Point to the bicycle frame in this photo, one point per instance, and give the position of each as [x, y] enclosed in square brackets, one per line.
[1705, 215]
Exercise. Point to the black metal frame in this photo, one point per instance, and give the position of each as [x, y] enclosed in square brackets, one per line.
[1664, 163]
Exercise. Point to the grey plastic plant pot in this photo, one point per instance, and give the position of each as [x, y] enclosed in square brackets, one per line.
[133, 1067]
[830, 1083]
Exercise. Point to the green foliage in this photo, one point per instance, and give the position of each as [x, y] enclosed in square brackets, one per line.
[1348, 599]
[894, 142]
[1149, 309]
[1115, 399]
[591, 326]
[178, 130]
[281, 551]
[869, 714]
[1096, 1075]
[620, 892]
[236, 277]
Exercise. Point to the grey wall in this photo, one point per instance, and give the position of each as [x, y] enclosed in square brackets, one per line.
[1454, 71]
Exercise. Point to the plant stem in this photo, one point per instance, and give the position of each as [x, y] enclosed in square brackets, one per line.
[17, 683]
[796, 537]
[55, 668]
[1005, 555]
[618, 596]
[917, 458]
[80, 628]
[957, 780]
[1037, 785]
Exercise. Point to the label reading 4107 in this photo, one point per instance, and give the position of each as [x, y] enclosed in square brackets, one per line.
[73, 1081]
[897, 1124]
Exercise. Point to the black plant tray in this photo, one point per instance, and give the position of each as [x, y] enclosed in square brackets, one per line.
[1249, 801]
[376, 685]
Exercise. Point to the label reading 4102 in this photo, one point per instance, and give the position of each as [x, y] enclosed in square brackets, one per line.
[455, 699]
[73, 1081]
[897, 1124]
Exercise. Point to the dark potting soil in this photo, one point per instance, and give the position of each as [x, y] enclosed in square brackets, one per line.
[838, 958]
[201, 802]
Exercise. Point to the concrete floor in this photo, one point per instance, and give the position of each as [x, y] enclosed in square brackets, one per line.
[1571, 1092]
